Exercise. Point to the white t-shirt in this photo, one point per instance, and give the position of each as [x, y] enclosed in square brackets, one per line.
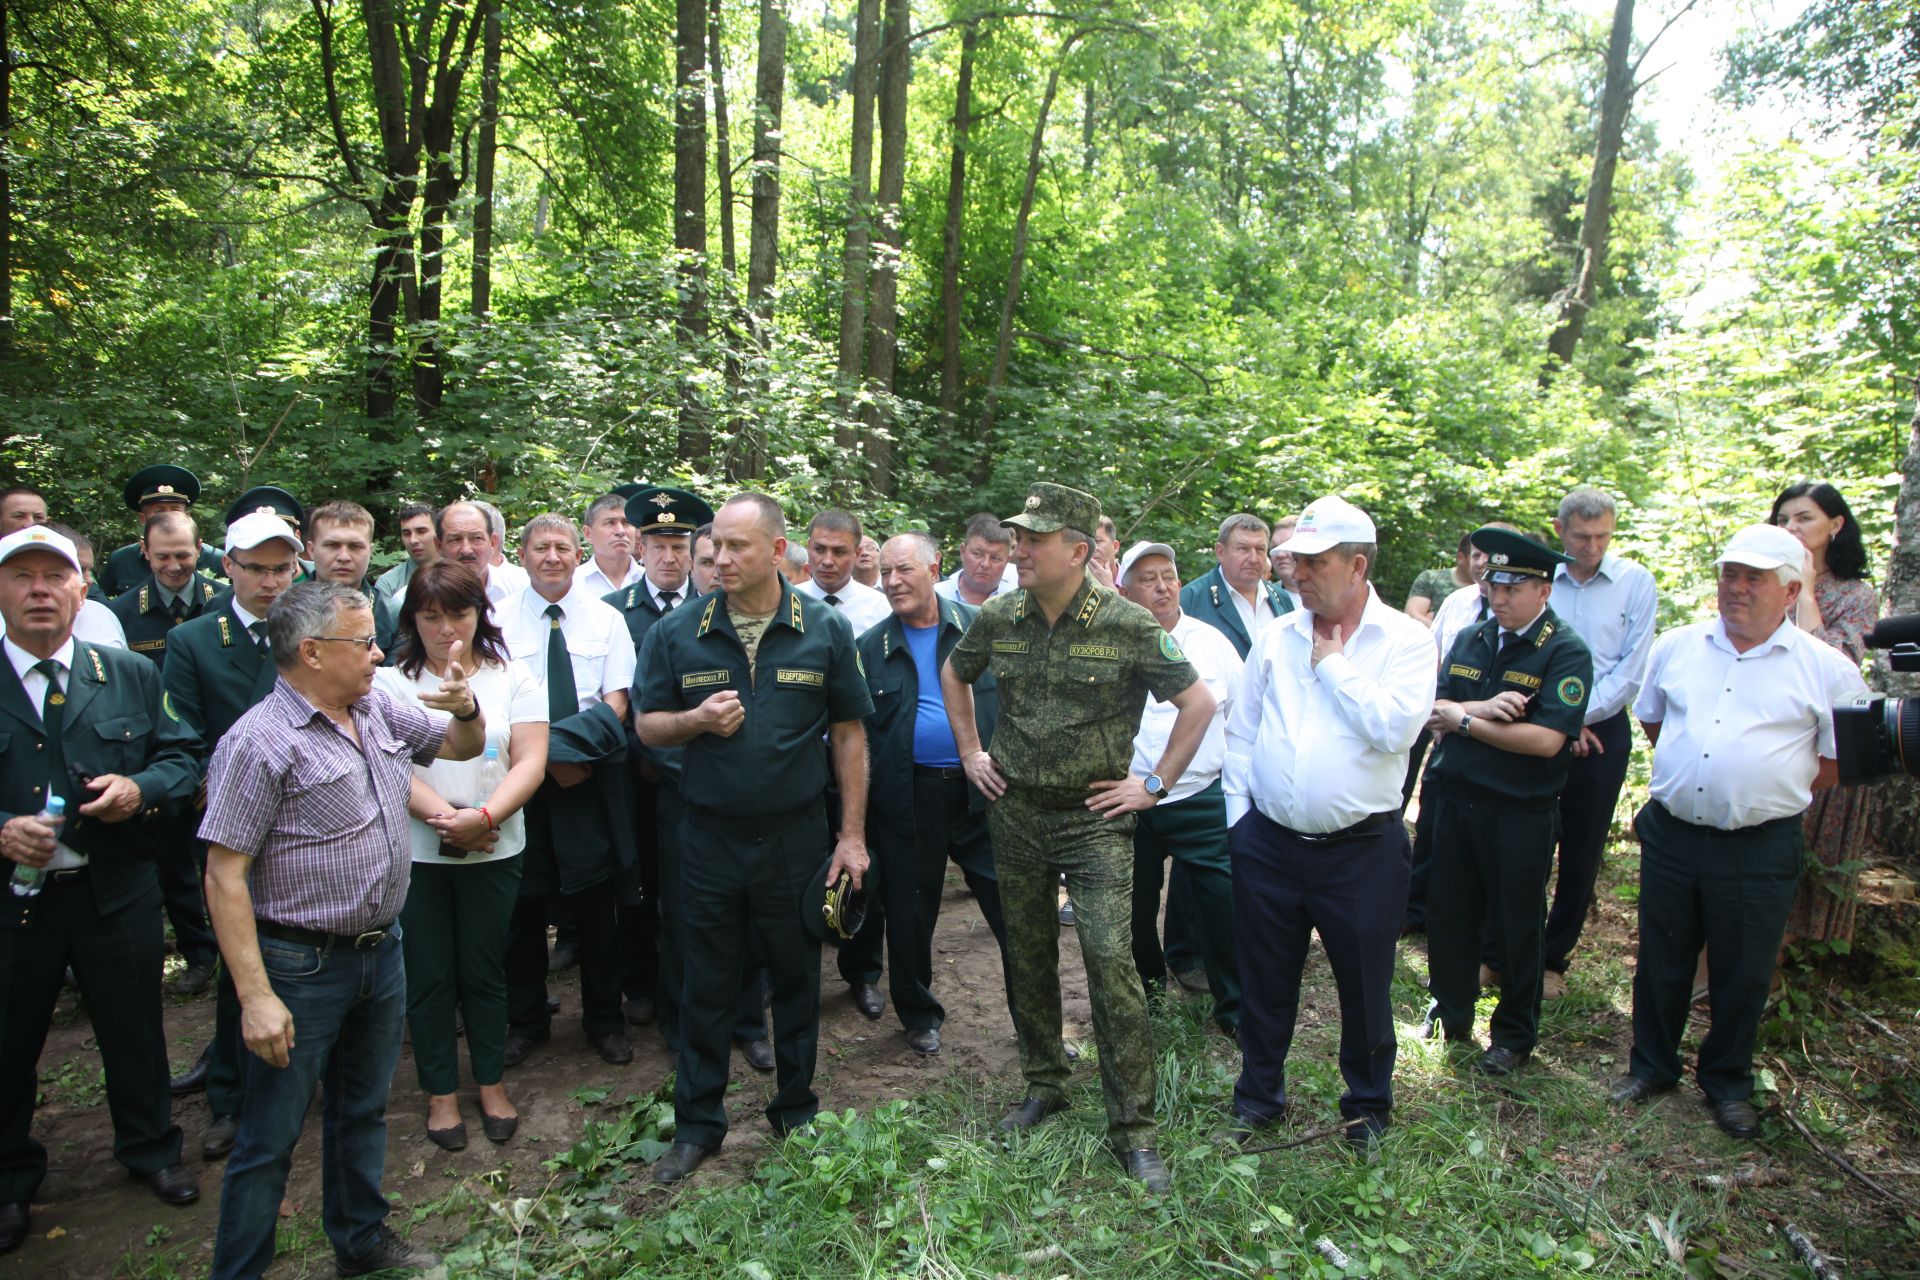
[507, 696]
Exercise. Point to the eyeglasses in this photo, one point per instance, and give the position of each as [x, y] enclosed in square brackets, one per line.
[365, 642]
[266, 570]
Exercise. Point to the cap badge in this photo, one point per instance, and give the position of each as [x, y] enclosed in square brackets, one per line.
[661, 500]
[663, 517]
[164, 488]
[1498, 557]
[1033, 500]
[265, 511]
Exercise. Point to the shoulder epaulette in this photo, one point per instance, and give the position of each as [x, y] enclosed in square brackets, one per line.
[1089, 609]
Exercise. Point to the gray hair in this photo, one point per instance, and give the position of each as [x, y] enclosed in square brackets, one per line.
[603, 504]
[1348, 550]
[549, 521]
[986, 526]
[795, 556]
[307, 611]
[496, 523]
[925, 549]
[1241, 522]
[1586, 504]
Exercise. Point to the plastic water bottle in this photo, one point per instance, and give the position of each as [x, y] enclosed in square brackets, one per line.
[493, 772]
[27, 881]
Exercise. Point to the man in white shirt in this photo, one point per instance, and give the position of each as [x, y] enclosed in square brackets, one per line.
[609, 537]
[580, 822]
[1611, 603]
[986, 563]
[1317, 745]
[465, 535]
[511, 575]
[1190, 822]
[1740, 714]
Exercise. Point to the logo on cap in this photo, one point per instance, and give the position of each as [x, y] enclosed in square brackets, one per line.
[1498, 557]
[36, 536]
[1033, 500]
[661, 500]
[664, 516]
[164, 488]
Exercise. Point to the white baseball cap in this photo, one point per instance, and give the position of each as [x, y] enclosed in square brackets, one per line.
[37, 537]
[250, 530]
[1137, 550]
[1764, 546]
[1326, 523]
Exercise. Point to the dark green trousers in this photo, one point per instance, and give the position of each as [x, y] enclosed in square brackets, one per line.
[740, 884]
[1730, 893]
[454, 937]
[1490, 863]
[1193, 832]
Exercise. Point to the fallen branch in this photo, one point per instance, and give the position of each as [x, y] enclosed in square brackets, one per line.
[1753, 1175]
[1872, 1021]
[1311, 1135]
[1816, 1263]
[1331, 1252]
[1048, 1254]
[1846, 1166]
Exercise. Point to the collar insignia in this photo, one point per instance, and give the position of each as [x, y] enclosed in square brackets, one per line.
[794, 619]
[706, 618]
[99, 672]
[1089, 609]
[226, 633]
[1546, 634]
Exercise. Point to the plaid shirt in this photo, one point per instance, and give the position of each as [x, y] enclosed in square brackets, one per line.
[324, 820]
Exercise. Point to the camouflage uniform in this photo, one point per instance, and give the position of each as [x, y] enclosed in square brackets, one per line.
[1070, 703]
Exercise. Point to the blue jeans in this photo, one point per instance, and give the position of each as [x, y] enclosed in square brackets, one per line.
[348, 1008]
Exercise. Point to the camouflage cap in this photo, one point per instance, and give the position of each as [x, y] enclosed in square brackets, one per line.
[1053, 507]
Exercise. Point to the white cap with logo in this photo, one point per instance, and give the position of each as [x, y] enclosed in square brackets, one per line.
[1137, 550]
[37, 537]
[1764, 546]
[250, 530]
[1326, 523]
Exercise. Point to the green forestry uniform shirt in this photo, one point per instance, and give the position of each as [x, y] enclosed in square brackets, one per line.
[1549, 664]
[148, 615]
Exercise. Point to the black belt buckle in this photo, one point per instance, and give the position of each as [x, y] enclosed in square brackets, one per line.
[369, 940]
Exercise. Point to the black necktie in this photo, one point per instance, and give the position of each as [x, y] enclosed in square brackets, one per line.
[562, 698]
[1511, 643]
[178, 609]
[666, 601]
[53, 714]
[259, 633]
[832, 600]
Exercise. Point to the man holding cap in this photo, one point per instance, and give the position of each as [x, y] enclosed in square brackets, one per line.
[1334, 698]
[92, 726]
[1075, 665]
[1190, 824]
[1512, 697]
[1740, 714]
[148, 492]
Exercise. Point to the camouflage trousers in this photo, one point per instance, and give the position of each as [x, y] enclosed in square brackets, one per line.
[1032, 846]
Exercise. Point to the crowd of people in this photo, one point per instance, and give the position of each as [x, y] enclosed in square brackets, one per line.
[375, 806]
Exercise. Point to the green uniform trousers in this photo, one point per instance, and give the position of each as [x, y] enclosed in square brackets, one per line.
[1193, 832]
[454, 937]
[1032, 847]
[1730, 892]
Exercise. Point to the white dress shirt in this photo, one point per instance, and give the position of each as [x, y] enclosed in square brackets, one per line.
[594, 579]
[1218, 664]
[949, 586]
[1255, 615]
[1741, 734]
[1613, 612]
[1456, 613]
[598, 641]
[1317, 749]
[505, 580]
[35, 684]
[681, 594]
[861, 605]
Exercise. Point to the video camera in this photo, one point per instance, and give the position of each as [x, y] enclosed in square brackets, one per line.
[1876, 735]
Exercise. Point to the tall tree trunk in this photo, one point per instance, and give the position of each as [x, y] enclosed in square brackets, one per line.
[1086, 129]
[952, 247]
[1616, 98]
[483, 163]
[6, 186]
[690, 205]
[1897, 813]
[853, 269]
[769, 100]
[722, 140]
[392, 209]
[884, 314]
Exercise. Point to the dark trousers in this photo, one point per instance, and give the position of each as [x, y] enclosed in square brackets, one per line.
[455, 934]
[1730, 893]
[180, 862]
[1422, 870]
[1352, 891]
[747, 881]
[116, 960]
[913, 877]
[1586, 819]
[750, 1007]
[594, 915]
[1193, 832]
[640, 918]
[860, 957]
[1490, 867]
[224, 1089]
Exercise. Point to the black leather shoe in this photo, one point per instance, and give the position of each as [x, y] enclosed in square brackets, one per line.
[614, 1048]
[389, 1253]
[868, 1000]
[216, 1140]
[1363, 1135]
[1194, 980]
[1633, 1089]
[639, 1010]
[499, 1128]
[1244, 1127]
[758, 1053]
[682, 1159]
[192, 980]
[517, 1047]
[1499, 1060]
[14, 1225]
[1031, 1112]
[1145, 1165]
[174, 1184]
[924, 1040]
[1737, 1119]
[194, 1078]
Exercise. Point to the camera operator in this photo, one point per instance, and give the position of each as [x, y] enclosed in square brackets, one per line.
[1740, 712]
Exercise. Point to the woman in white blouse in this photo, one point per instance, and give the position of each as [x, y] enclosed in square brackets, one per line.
[467, 838]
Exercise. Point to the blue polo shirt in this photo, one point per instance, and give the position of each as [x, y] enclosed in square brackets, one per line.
[933, 743]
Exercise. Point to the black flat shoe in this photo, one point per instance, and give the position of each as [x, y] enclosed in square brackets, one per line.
[174, 1185]
[924, 1040]
[614, 1048]
[1737, 1119]
[758, 1053]
[192, 980]
[449, 1139]
[499, 1128]
[14, 1225]
[194, 1078]
[868, 1000]
[1634, 1089]
[1499, 1060]
[682, 1159]
[1031, 1112]
[1146, 1166]
[216, 1140]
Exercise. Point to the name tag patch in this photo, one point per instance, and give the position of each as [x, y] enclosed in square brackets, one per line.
[705, 679]
[1521, 678]
[146, 646]
[1107, 652]
[1009, 646]
[1460, 669]
[791, 675]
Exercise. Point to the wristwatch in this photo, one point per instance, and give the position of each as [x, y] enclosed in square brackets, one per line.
[1466, 722]
[1154, 787]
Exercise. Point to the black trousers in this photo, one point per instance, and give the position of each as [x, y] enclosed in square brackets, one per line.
[860, 957]
[1730, 893]
[116, 960]
[913, 873]
[180, 861]
[1352, 891]
[1422, 870]
[750, 1009]
[1490, 867]
[594, 913]
[1586, 819]
[1192, 832]
[640, 918]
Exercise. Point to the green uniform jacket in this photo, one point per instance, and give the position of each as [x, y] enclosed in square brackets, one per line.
[894, 682]
[118, 720]
[1070, 695]
[143, 613]
[808, 677]
[1553, 668]
[590, 826]
[1207, 598]
[214, 673]
[127, 568]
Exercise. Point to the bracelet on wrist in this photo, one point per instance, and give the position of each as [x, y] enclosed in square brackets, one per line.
[491, 824]
[471, 716]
